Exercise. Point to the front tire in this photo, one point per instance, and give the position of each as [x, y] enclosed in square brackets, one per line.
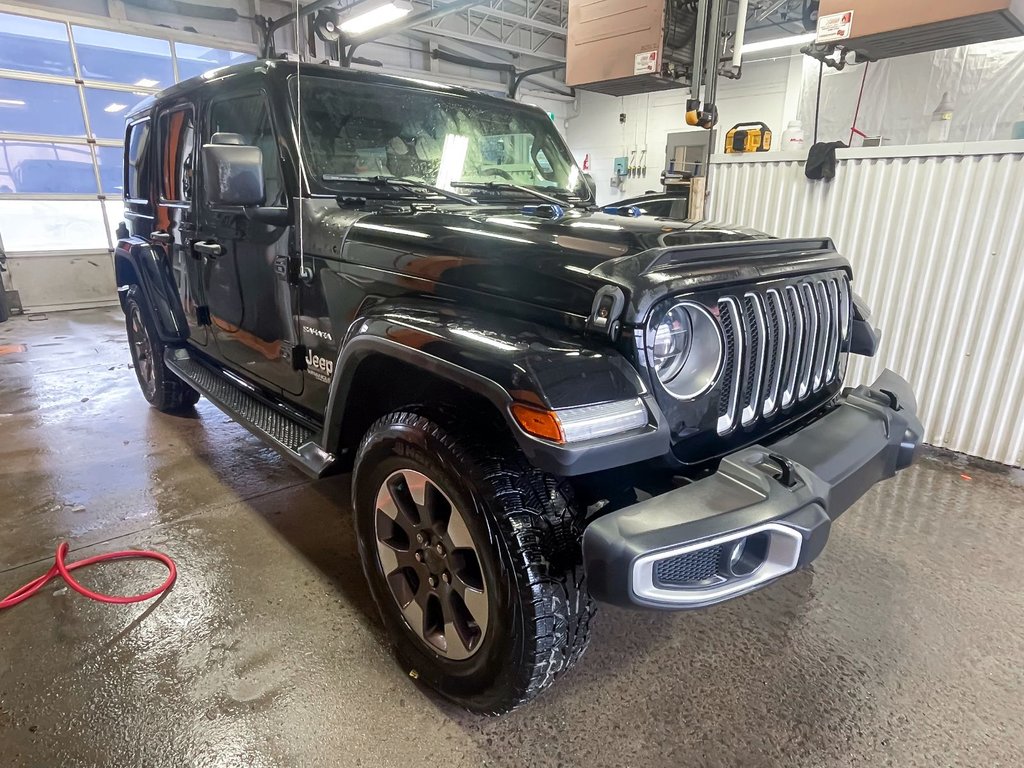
[164, 391]
[479, 578]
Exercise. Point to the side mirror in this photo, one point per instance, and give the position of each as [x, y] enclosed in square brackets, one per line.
[591, 184]
[233, 172]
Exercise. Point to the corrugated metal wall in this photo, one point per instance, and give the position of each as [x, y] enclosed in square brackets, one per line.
[937, 246]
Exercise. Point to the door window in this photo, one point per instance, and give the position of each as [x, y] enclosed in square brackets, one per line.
[137, 168]
[249, 117]
[177, 136]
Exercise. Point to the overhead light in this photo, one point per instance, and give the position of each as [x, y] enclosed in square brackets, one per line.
[374, 15]
[145, 82]
[12, 102]
[779, 42]
[114, 107]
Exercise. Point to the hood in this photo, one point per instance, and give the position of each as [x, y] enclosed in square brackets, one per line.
[483, 251]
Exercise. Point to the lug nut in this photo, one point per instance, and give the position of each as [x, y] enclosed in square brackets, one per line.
[421, 538]
[446, 577]
[440, 549]
[432, 581]
[419, 557]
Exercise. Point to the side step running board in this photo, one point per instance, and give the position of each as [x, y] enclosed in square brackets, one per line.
[291, 438]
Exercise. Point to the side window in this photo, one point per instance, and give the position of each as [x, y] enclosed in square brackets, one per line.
[177, 139]
[249, 118]
[136, 167]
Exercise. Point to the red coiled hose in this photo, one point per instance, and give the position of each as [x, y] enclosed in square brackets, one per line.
[62, 569]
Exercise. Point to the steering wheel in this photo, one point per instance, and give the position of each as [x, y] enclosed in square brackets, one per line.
[496, 172]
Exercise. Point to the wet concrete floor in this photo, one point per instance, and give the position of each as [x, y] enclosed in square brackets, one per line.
[904, 645]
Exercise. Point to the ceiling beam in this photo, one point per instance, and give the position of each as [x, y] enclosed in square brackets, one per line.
[523, 21]
[496, 44]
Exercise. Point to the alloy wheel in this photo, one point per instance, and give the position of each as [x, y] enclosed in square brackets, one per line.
[431, 564]
[143, 351]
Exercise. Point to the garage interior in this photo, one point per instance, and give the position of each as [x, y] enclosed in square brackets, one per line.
[900, 645]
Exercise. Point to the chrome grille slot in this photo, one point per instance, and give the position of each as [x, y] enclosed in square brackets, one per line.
[754, 364]
[783, 343]
[777, 345]
[825, 323]
[809, 311]
[794, 317]
[729, 313]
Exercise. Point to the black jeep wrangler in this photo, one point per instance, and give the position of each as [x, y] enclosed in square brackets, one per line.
[543, 403]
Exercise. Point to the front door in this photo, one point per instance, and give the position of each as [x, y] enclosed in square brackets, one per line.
[250, 302]
[173, 225]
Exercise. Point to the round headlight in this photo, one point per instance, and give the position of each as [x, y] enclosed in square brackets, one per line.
[685, 349]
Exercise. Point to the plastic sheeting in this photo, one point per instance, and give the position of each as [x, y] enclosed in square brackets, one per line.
[984, 81]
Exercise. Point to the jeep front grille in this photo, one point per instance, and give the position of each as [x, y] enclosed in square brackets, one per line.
[782, 344]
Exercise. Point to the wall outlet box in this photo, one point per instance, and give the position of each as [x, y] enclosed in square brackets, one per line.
[620, 166]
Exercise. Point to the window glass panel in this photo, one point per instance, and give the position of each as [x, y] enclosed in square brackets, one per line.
[249, 117]
[27, 107]
[52, 225]
[138, 165]
[177, 136]
[119, 58]
[193, 60]
[46, 168]
[107, 110]
[111, 161]
[35, 45]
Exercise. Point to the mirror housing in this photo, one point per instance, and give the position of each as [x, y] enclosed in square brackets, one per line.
[233, 172]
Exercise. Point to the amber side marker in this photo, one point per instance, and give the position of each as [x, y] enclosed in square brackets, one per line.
[11, 349]
[538, 422]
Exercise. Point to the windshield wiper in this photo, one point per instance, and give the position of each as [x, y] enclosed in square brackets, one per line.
[398, 182]
[498, 186]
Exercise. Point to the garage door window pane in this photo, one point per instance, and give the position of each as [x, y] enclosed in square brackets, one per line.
[107, 110]
[35, 45]
[111, 170]
[119, 58]
[52, 225]
[193, 60]
[46, 168]
[27, 107]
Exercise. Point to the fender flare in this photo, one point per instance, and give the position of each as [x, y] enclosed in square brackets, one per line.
[503, 360]
[155, 278]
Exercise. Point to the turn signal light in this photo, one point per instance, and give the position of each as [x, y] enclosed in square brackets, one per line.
[538, 422]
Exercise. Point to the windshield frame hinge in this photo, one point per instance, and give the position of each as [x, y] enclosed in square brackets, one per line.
[606, 312]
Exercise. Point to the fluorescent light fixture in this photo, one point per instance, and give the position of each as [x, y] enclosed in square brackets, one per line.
[375, 15]
[12, 102]
[114, 107]
[453, 159]
[778, 42]
[145, 82]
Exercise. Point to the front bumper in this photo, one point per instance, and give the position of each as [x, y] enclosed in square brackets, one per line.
[779, 500]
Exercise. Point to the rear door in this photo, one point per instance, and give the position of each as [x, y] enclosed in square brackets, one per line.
[251, 301]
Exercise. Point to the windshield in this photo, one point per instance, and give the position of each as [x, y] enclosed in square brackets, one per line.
[356, 129]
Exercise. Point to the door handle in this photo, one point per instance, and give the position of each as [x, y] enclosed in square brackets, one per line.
[208, 248]
[160, 237]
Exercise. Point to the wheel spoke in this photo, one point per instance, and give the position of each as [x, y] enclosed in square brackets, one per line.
[474, 599]
[389, 501]
[457, 534]
[457, 646]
